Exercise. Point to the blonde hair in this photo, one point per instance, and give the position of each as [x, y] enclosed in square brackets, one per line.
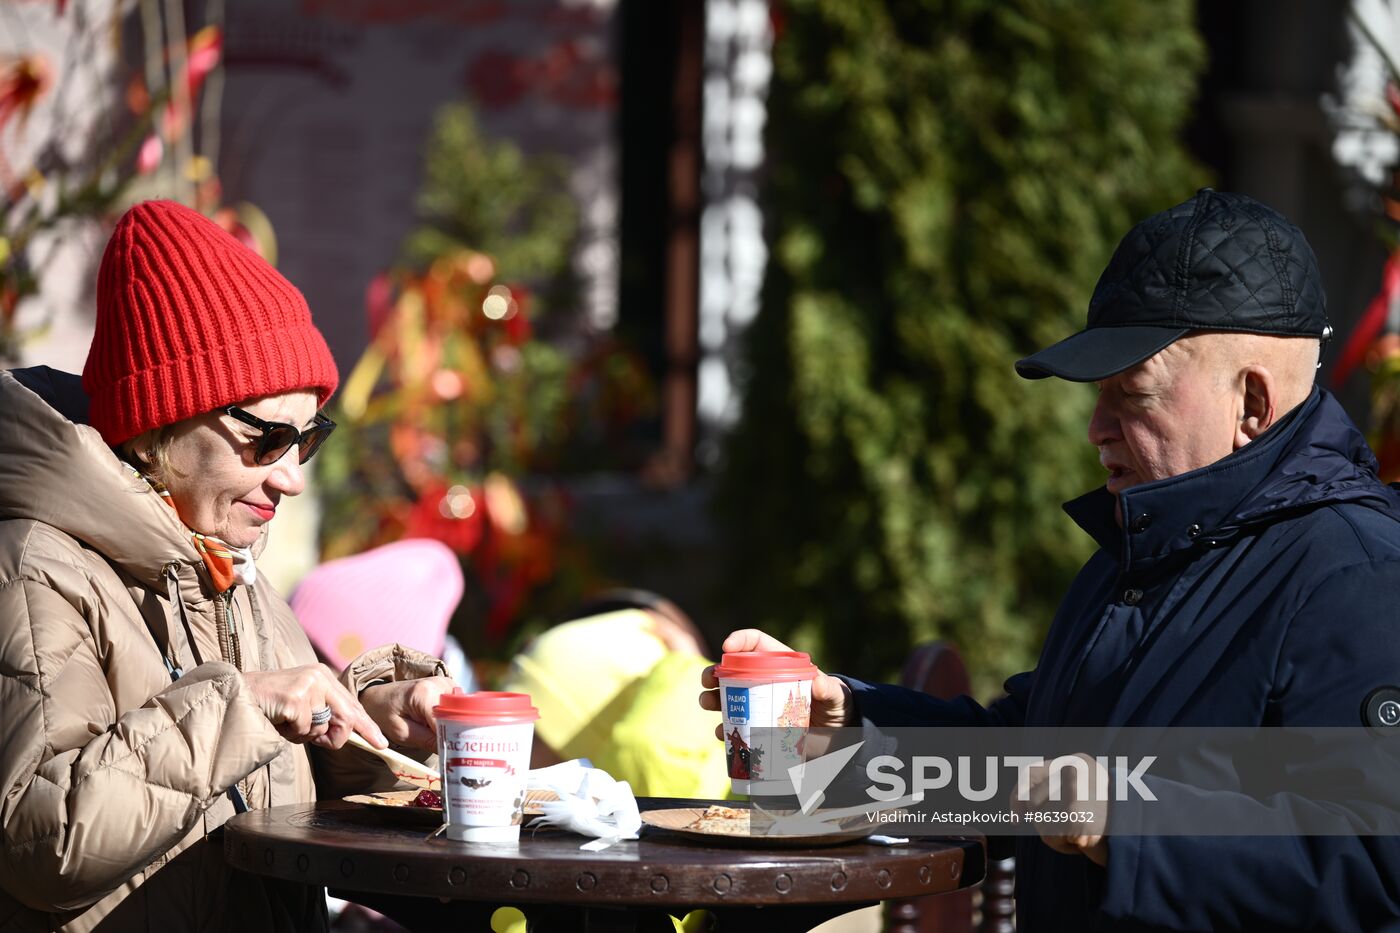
[149, 451]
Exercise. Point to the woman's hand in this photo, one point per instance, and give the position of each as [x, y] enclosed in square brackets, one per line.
[831, 698]
[404, 709]
[288, 698]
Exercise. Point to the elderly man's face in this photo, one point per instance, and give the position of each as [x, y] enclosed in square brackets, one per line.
[1166, 416]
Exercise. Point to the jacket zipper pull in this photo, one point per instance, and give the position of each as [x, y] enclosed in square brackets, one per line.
[231, 620]
[172, 590]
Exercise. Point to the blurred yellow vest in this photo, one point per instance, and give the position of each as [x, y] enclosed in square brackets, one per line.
[608, 690]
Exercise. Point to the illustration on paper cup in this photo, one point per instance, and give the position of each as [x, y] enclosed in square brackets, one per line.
[797, 708]
[786, 706]
[739, 755]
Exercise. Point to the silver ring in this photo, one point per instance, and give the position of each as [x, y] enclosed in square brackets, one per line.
[321, 716]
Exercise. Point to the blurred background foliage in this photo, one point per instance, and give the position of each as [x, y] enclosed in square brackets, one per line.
[458, 419]
[1365, 115]
[937, 210]
[484, 194]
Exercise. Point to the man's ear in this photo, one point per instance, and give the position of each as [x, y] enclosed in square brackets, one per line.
[1260, 404]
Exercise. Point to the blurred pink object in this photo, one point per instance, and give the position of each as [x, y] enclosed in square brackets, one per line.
[401, 593]
[148, 159]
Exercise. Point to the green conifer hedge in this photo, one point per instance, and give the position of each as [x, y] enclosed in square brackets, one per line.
[947, 181]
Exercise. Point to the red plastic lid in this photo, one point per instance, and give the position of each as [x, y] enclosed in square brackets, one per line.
[487, 706]
[766, 665]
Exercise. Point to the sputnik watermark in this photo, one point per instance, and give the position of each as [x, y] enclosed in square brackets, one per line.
[892, 794]
[888, 784]
[1334, 781]
[810, 781]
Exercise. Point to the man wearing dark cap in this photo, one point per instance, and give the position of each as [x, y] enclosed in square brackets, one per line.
[1248, 574]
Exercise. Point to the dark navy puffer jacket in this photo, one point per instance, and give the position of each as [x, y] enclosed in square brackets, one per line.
[1263, 589]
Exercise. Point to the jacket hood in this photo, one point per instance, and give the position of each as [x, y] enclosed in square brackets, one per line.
[1313, 458]
[56, 469]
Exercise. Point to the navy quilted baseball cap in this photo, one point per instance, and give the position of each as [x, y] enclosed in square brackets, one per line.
[1219, 261]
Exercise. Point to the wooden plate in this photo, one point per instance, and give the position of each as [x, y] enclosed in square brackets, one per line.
[402, 801]
[682, 820]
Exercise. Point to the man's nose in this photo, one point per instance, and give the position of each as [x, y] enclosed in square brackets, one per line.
[1103, 424]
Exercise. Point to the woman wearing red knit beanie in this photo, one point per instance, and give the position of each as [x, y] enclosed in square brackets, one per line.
[152, 684]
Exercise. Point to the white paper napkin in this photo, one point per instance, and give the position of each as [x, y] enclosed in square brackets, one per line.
[591, 803]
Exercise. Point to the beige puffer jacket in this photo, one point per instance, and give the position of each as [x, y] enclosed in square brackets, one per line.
[111, 776]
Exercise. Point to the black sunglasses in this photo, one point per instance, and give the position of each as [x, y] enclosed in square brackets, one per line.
[278, 437]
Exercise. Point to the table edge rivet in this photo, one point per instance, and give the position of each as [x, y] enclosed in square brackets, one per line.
[659, 884]
[783, 883]
[838, 881]
[521, 879]
[722, 884]
[303, 863]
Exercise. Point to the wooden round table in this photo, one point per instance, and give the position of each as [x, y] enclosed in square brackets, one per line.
[384, 859]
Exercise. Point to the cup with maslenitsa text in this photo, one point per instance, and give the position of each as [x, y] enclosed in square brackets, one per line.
[484, 749]
[766, 700]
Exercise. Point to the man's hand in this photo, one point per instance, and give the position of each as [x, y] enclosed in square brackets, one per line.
[1086, 836]
[288, 698]
[831, 698]
[404, 709]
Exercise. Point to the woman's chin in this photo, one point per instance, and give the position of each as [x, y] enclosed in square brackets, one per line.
[242, 538]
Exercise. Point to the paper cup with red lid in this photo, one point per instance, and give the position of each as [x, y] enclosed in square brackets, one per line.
[766, 698]
[484, 751]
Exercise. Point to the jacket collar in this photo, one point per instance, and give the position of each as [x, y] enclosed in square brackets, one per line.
[46, 445]
[1311, 457]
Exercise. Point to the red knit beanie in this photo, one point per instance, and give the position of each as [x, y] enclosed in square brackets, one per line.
[189, 319]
